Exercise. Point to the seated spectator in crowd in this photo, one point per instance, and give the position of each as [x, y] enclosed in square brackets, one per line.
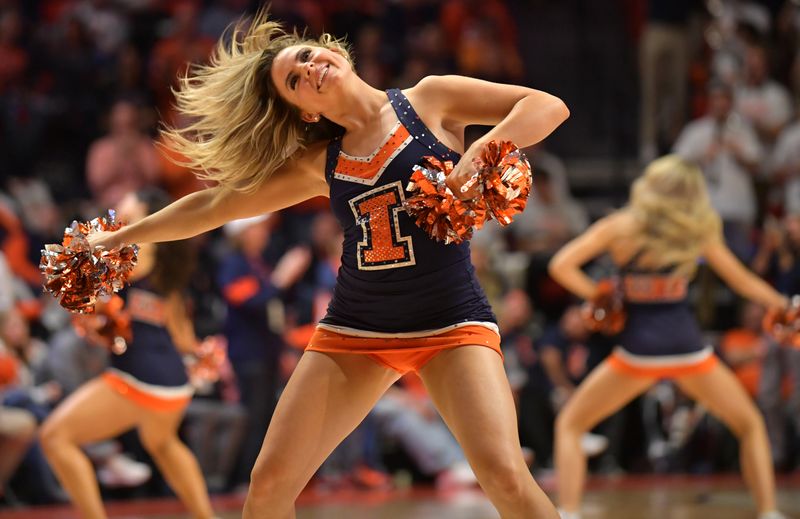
[785, 167]
[406, 415]
[778, 259]
[550, 220]
[778, 254]
[122, 162]
[172, 54]
[727, 149]
[745, 347]
[556, 361]
[14, 247]
[765, 103]
[17, 426]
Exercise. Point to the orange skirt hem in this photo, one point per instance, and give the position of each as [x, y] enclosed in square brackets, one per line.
[143, 398]
[674, 371]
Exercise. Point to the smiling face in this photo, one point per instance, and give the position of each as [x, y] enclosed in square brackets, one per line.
[309, 77]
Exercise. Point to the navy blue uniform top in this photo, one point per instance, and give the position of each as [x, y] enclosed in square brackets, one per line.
[394, 277]
[660, 321]
[151, 356]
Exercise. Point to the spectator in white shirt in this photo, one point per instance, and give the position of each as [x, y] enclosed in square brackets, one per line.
[764, 102]
[785, 167]
[728, 150]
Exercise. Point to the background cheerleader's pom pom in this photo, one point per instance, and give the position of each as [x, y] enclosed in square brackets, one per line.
[784, 325]
[504, 176]
[108, 326]
[76, 275]
[606, 312]
[434, 207]
[205, 364]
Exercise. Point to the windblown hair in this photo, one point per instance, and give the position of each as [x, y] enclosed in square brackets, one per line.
[241, 130]
[671, 203]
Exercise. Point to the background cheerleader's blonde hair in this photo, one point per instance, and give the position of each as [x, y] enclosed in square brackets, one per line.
[241, 130]
[671, 202]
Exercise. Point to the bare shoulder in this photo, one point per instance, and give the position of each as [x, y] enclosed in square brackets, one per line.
[616, 225]
[466, 100]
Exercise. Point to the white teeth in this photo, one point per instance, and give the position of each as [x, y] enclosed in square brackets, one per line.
[322, 77]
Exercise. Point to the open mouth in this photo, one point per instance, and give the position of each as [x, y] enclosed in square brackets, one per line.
[321, 77]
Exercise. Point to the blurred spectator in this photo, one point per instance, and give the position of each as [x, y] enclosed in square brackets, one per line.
[745, 347]
[406, 414]
[14, 58]
[550, 220]
[176, 179]
[663, 75]
[778, 255]
[253, 290]
[17, 426]
[779, 399]
[35, 390]
[105, 22]
[764, 102]
[483, 36]
[14, 245]
[727, 149]
[218, 15]
[124, 161]
[174, 53]
[556, 362]
[785, 167]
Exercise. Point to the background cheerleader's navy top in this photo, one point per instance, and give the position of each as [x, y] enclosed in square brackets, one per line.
[394, 277]
[151, 356]
[660, 321]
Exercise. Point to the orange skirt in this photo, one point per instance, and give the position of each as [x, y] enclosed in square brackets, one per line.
[177, 399]
[663, 367]
[402, 352]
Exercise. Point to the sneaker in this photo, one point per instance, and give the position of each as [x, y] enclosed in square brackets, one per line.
[774, 514]
[593, 444]
[568, 515]
[122, 471]
[459, 475]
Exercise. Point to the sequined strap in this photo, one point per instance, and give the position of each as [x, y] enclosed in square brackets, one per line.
[334, 146]
[406, 114]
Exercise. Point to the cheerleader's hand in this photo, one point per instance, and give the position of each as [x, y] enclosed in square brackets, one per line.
[106, 239]
[463, 180]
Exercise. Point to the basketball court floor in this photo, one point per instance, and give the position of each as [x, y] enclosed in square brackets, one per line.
[629, 497]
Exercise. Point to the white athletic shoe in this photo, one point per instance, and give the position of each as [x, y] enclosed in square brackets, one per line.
[774, 514]
[593, 444]
[568, 515]
[122, 471]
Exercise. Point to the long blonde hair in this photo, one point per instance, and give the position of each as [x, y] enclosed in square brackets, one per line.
[241, 130]
[671, 203]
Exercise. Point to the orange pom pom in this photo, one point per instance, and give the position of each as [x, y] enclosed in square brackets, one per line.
[505, 176]
[206, 362]
[606, 312]
[76, 275]
[784, 325]
[434, 208]
[109, 325]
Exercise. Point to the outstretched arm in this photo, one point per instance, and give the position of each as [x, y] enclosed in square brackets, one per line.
[519, 114]
[741, 280]
[565, 266]
[298, 180]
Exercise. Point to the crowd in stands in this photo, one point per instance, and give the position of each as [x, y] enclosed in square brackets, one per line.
[85, 83]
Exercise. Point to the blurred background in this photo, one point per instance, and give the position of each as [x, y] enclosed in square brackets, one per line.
[85, 83]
